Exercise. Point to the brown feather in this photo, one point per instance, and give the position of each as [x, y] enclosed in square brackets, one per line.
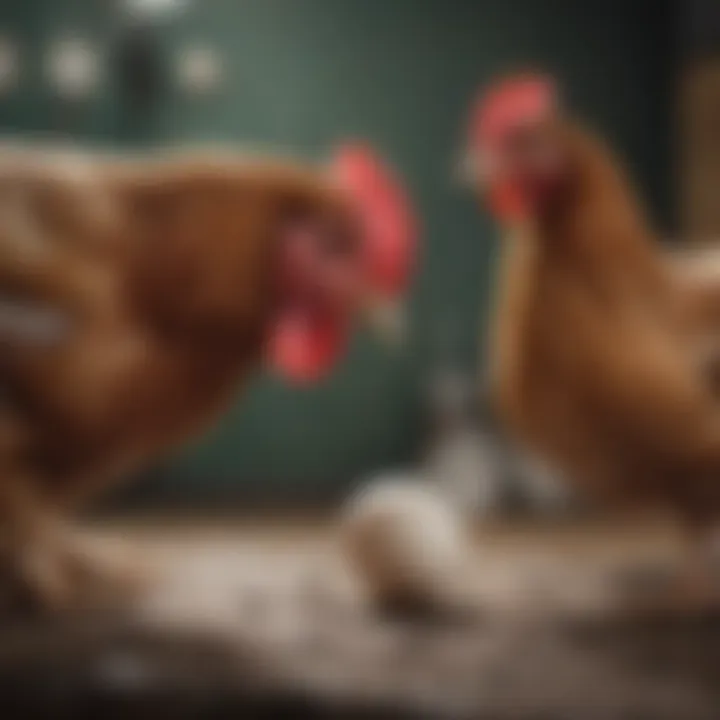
[169, 294]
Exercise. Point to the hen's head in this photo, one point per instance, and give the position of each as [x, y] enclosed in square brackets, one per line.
[268, 251]
[352, 260]
[514, 152]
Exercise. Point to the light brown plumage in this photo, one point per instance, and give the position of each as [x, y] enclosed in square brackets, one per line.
[600, 336]
[166, 273]
[593, 359]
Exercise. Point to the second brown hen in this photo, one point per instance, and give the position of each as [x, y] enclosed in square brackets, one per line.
[599, 348]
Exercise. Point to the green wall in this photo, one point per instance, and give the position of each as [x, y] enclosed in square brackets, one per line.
[303, 74]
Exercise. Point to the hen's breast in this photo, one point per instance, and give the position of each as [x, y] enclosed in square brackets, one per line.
[544, 364]
[114, 397]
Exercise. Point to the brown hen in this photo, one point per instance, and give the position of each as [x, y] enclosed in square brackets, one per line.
[137, 298]
[600, 345]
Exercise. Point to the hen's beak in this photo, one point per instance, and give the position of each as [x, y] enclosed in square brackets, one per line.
[473, 169]
[386, 319]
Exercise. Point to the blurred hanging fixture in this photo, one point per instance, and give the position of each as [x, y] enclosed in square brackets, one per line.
[152, 9]
[140, 66]
[9, 65]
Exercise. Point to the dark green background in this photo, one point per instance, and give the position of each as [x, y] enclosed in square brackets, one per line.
[303, 74]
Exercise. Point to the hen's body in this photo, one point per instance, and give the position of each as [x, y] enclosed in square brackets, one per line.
[168, 293]
[117, 395]
[169, 320]
[596, 352]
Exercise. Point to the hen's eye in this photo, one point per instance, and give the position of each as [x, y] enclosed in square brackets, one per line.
[525, 138]
[338, 241]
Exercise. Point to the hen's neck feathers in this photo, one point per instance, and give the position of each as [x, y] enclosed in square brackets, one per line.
[595, 240]
[599, 220]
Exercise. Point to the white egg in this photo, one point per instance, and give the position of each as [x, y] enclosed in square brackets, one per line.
[405, 542]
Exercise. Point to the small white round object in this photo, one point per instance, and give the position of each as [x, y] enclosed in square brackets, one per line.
[406, 543]
[74, 66]
[199, 69]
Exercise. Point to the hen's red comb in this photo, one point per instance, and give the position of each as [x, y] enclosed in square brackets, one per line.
[385, 210]
[509, 102]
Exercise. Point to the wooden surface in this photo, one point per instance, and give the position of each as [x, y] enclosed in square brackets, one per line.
[265, 622]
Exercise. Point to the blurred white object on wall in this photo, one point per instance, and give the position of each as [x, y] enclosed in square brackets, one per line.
[74, 67]
[150, 9]
[199, 69]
